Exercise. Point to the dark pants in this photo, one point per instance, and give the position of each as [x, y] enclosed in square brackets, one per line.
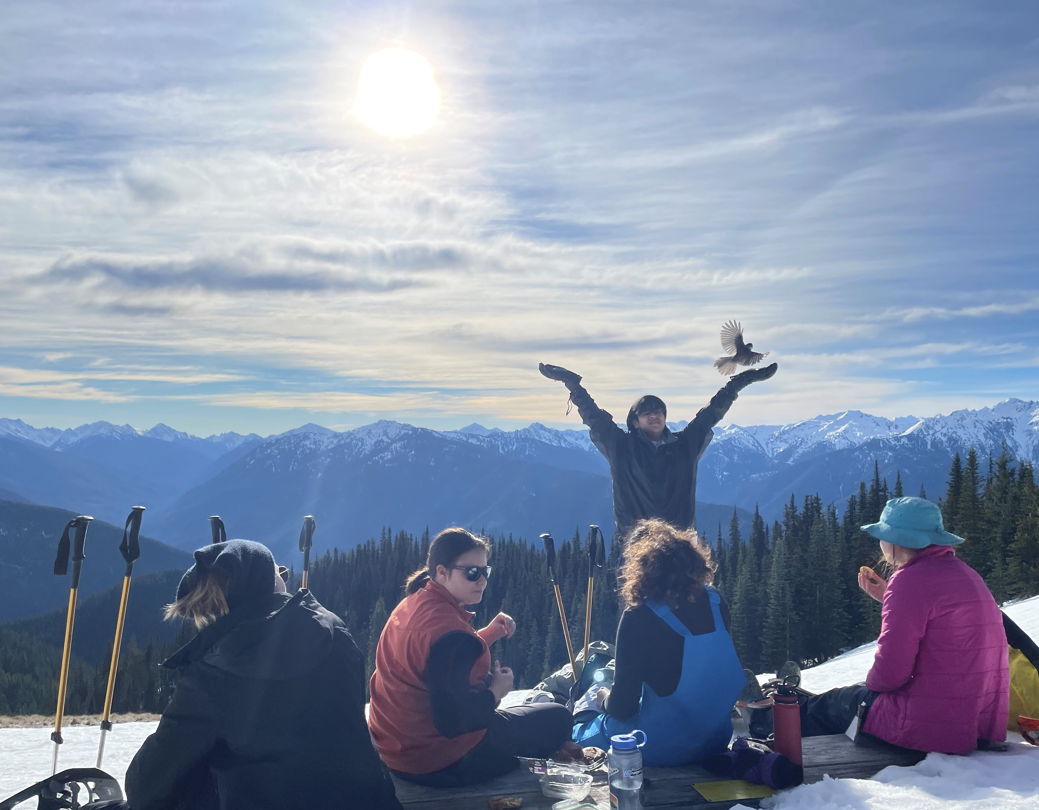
[832, 712]
[535, 730]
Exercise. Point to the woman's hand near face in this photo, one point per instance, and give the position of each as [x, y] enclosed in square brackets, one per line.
[501, 681]
[600, 698]
[501, 626]
[872, 583]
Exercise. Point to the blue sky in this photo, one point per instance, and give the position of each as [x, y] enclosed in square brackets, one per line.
[195, 229]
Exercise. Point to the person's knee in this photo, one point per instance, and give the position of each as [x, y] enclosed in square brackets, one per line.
[559, 722]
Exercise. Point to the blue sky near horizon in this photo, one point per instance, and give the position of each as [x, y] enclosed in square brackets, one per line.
[195, 229]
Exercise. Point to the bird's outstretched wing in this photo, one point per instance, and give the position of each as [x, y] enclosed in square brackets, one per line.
[751, 358]
[732, 337]
[726, 366]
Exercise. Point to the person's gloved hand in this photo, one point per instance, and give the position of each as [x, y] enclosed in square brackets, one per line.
[741, 381]
[568, 378]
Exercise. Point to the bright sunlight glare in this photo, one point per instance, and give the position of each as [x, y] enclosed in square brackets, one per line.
[396, 95]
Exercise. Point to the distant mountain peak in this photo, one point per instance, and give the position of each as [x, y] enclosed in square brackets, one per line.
[164, 433]
[310, 427]
[477, 429]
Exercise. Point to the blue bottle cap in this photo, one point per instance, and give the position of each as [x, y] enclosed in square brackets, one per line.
[628, 742]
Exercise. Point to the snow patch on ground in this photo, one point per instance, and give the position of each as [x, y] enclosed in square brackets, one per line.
[982, 781]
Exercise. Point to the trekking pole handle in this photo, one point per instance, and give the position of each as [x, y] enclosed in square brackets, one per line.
[76, 547]
[79, 547]
[217, 527]
[130, 547]
[550, 553]
[595, 538]
[306, 535]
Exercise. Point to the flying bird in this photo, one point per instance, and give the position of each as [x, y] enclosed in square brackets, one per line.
[742, 354]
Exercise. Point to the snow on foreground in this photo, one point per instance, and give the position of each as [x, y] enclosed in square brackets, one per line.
[982, 781]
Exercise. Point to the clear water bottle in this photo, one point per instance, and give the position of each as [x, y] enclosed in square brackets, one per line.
[626, 771]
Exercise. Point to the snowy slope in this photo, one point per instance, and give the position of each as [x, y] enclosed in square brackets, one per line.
[853, 665]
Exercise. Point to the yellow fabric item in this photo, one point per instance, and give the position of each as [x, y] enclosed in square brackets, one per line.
[730, 790]
[1024, 688]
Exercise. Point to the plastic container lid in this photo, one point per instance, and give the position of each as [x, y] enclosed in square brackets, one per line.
[627, 742]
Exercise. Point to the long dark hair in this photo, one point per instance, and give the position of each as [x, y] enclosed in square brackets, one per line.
[446, 547]
[665, 564]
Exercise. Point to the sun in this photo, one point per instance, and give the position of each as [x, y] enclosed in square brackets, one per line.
[396, 95]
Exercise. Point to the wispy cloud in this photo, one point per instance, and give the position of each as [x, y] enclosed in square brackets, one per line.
[188, 196]
[222, 274]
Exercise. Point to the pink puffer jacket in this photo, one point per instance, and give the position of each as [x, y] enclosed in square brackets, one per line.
[941, 663]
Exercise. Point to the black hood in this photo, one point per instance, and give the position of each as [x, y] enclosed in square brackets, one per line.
[249, 565]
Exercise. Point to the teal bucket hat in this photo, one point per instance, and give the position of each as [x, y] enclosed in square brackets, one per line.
[912, 523]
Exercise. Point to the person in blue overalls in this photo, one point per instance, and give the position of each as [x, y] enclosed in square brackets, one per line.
[677, 672]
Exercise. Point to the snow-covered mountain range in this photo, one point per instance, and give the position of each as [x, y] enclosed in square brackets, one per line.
[62, 439]
[389, 473]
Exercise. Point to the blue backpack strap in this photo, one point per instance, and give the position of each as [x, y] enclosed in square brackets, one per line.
[665, 613]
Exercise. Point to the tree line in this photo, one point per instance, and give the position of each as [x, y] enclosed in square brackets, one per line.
[791, 587]
[29, 671]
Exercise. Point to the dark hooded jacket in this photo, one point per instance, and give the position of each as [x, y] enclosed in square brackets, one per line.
[651, 481]
[268, 712]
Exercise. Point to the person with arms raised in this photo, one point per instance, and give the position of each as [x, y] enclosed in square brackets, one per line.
[653, 469]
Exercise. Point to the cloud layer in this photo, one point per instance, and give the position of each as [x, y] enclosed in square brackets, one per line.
[184, 189]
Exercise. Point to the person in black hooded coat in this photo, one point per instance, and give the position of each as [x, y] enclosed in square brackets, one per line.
[653, 469]
[269, 705]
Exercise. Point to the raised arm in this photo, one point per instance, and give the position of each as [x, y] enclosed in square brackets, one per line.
[720, 403]
[602, 429]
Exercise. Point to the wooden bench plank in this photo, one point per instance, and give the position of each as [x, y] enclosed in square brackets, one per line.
[835, 756]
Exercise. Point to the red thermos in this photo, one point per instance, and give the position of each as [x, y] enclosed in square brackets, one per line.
[786, 716]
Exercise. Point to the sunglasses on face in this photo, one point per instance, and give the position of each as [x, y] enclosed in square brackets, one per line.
[473, 572]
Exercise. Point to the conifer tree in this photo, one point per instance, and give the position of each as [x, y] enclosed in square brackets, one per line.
[898, 485]
[732, 565]
[951, 503]
[376, 624]
[1000, 524]
[1023, 563]
[779, 635]
[969, 518]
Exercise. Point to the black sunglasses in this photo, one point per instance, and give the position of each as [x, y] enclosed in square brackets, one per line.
[473, 572]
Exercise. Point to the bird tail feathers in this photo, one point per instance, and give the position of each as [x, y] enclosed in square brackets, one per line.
[726, 366]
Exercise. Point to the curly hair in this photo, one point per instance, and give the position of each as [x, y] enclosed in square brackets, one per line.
[663, 563]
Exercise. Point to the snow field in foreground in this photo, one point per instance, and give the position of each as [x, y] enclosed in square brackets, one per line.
[982, 781]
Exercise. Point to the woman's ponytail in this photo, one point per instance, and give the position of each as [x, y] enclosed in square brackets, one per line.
[416, 581]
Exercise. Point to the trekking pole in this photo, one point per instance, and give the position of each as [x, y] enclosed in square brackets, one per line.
[216, 525]
[550, 552]
[61, 567]
[595, 538]
[306, 542]
[130, 548]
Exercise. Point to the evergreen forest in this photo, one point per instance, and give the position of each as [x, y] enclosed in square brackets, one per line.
[791, 587]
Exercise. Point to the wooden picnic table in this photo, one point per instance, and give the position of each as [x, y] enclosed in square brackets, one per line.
[834, 756]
